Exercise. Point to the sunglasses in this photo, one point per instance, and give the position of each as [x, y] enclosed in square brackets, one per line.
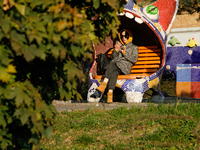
[126, 36]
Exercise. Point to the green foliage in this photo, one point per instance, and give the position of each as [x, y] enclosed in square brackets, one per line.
[165, 126]
[43, 44]
[190, 6]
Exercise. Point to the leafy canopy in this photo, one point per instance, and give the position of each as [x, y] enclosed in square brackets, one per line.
[43, 44]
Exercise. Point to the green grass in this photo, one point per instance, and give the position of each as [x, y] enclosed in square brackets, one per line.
[155, 127]
[168, 83]
[165, 126]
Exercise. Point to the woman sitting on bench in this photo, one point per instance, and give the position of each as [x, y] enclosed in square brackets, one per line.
[122, 60]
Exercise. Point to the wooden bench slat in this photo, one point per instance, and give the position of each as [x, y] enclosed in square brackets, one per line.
[148, 54]
[148, 58]
[145, 66]
[131, 76]
[149, 51]
[147, 62]
[147, 47]
[143, 70]
[122, 77]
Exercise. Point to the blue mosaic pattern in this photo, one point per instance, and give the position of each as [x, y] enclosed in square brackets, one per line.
[92, 90]
[152, 77]
[94, 81]
[132, 85]
[155, 75]
[183, 73]
[145, 86]
[124, 86]
[129, 5]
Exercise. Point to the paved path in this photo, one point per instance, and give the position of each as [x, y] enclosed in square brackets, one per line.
[73, 105]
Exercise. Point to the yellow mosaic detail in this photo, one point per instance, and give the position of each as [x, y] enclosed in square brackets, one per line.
[99, 80]
[157, 26]
[118, 84]
[154, 83]
[137, 8]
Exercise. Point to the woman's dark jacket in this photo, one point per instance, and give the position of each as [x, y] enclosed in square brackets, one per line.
[125, 61]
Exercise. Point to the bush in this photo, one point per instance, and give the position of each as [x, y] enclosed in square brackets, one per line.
[42, 45]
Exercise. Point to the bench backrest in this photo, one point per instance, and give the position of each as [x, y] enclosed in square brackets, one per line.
[149, 61]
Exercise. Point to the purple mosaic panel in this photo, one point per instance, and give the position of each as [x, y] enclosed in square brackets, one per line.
[195, 72]
[179, 55]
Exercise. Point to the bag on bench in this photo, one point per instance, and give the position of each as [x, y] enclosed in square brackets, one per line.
[103, 61]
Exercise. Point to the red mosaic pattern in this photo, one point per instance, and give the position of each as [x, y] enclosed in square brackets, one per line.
[167, 9]
[195, 89]
[102, 48]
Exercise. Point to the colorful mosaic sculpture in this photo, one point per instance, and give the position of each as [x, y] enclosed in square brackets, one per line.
[149, 26]
[188, 81]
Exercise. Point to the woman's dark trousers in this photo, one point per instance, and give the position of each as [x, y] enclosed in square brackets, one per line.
[112, 72]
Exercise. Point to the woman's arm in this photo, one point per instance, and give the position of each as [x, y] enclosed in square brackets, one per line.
[114, 54]
[131, 53]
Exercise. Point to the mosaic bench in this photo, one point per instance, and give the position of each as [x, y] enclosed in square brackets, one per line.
[148, 62]
[149, 26]
[144, 74]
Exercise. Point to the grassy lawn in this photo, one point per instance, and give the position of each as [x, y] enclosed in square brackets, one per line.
[155, 127]
[161, 127]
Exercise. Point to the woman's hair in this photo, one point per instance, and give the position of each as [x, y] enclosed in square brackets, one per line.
[126, 34]
[115, 40]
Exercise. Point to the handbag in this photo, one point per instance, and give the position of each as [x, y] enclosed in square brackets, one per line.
[102, 62]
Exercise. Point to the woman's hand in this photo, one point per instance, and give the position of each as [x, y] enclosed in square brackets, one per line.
[123, 49]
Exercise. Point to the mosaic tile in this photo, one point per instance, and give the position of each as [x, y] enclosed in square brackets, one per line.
[183, 89]
[195, 89]
[195, 72]
[153, 83]
[183, 72]
[129, 5]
